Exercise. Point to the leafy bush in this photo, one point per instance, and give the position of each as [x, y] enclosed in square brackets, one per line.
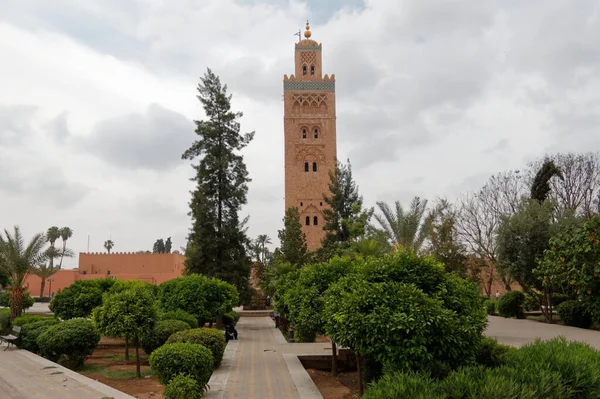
[123, 285]
[182, 386]
[231, 318]
[404, 386]
[80, 298]
[205, 298]
[211, 338]
[511, 304]
[5, 299]
[31, 331]
[490, 306]
[182, 358]
[575, 314]
[491, 354]
[42, 299]
[180, 315]
[304, 335]
[29, 318]
[531, 303]
[28, 300]
[558, 298]
[161, 333]
[71, 342]
[4, 318]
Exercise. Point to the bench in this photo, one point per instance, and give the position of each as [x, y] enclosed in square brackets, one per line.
[11, 338]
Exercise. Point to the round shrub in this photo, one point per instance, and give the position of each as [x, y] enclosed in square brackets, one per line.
[491, 354]
[180, 315]
[70, 342]
[29, 318]
[28, 300]
[558, 298]
[531, 303]
[161, 333]
[231, 318]
[182, 358]
[182, 387]
[211, 338]
[575, 314]
[490, 307]
[4, 318]
[31, 331]
[511, 304]
[80, 298]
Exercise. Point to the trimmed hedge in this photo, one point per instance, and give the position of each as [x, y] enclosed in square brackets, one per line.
[180, 315]
[182, 386]
[42, 299]
[4, 318]
[182, 358]
[80, 298]
[211, 338]
[575, 314]
[490, 307]
[70, 342]
[31, 331]
[28, 319]
[492, 354]
[161, 333]
[511, 304]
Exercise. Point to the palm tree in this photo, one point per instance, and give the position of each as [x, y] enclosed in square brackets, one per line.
[256, 249]
[65, 234]
[109, 244]
[408, 229]
[45, 270]
[52, 234]
[263, 240]
[17, 261]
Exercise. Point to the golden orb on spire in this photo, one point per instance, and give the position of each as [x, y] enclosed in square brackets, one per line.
[307, 34]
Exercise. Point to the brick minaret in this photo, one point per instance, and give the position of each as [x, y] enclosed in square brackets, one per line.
[310, 138]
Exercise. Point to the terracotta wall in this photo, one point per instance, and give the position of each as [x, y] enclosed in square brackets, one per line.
[152, 268]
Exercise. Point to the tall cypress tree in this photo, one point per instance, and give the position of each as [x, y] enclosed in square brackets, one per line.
[345, 219]
[293, 240]
[216, 240]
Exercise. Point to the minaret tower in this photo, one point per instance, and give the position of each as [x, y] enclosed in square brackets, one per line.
[310, 137]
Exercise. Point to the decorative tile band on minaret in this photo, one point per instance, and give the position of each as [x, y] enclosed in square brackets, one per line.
[310, 137]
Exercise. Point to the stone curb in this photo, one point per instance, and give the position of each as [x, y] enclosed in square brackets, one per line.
[218, 379]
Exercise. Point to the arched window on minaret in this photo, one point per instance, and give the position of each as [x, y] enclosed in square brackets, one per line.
[314, 166]
[303, 133]
[307, 221]
[312, 69]
[303, 69]
[306, 166]
[316, 133]
[316, 221]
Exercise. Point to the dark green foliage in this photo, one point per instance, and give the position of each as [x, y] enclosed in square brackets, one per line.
[217, 237]
[406, 312]
[160, 334]
[304, 335]
[179, 315]
[70, 342]
[4, 318]
[404, 386]
[293, 248]
[28, 300]
[182, 386]
[203, 297]
[182, 358]
[540, 188]
[211, 338]
[491, 354]
[558, 298]
[511, 304]
[162, 246]
[345, 220]
[532, 302]
[231, 318]
[31, 331]
[43, 299]
[123, 285]
[4, 299]
[490, 306]
[80, 298]
[575, 314]
[3, 280]
[29, 318]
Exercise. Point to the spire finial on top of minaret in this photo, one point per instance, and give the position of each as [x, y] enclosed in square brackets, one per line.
[307, 34]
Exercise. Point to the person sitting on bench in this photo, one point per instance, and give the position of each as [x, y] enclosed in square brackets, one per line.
[230, 333]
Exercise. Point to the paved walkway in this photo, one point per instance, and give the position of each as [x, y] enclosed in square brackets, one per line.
[24, 375]
[520, 332]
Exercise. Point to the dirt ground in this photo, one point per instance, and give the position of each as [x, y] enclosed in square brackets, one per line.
[110, 355]
[344, 386]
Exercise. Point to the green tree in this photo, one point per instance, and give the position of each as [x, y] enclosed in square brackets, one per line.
[159, 246]
[80, 298]
[108, 245]
[65, 234]
[345, 218]
[17, 261]
[168, 245]
[130, 313]
[216, 241]
[409, 229]
[263, 240]
[52, 234]
[45, 270]
[540, 188]
[293, 241]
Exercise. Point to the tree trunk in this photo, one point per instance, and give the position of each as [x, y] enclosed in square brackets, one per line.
[16, 302]
[138, 374]
[333, 359]
[361, 386]
[42, 287]
[126, 348]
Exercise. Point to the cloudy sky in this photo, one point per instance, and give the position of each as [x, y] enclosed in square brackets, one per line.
[97, 100]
